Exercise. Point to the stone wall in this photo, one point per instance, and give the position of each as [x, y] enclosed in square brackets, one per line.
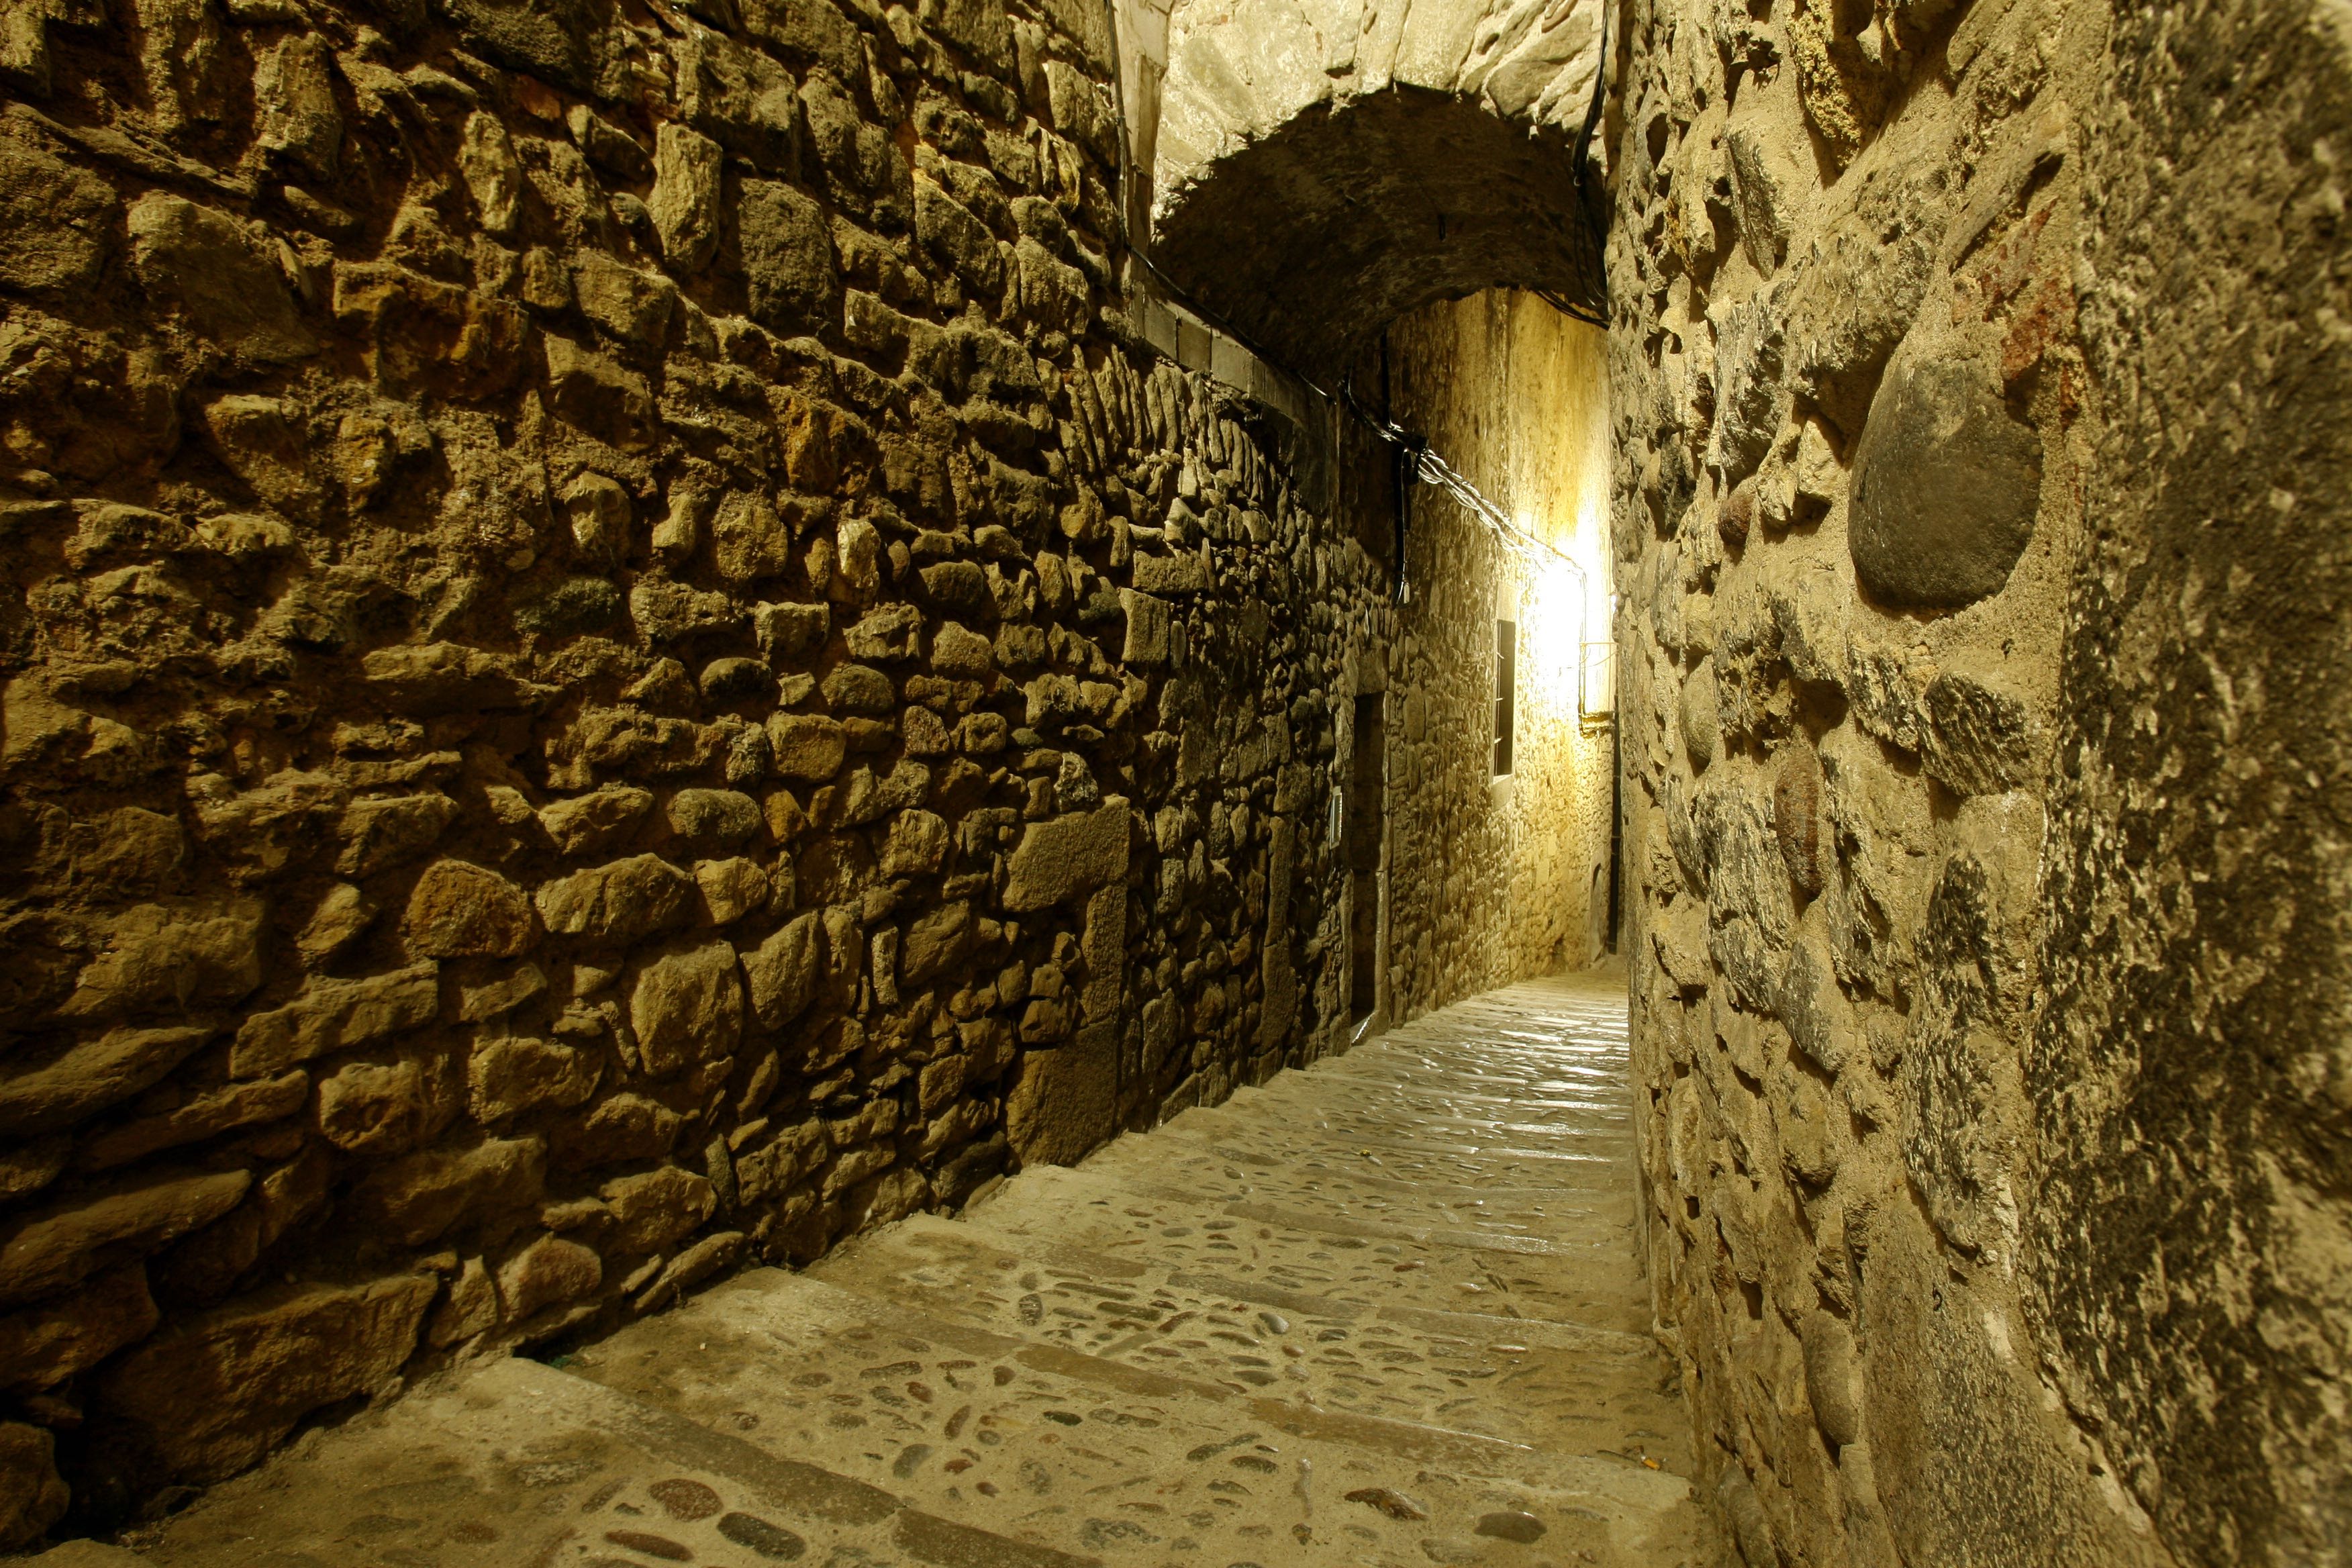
[1977, 373]
[616, 662]
[1493, 879]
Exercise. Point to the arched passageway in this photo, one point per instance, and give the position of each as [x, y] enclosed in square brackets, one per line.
[1311, 239]
[1312, 180]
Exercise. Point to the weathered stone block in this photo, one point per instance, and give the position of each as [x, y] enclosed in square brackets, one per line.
[1977, 739]
[1063, 1105]
[1767, 183]
[949, 232]
[91, 1075]
[783, 971]
[509, 1075]
[598, 394]
[788, 261]
[55, 221]
[50, 1344]
[623, 902]
[623, 1128]
[202, 1116]
[807, 745]
[209, 1398]
[458, 910]
[294, 88]
[1150, 627]
[714, 815]
[1179, 574]
[860, 689]
[418, 1196]
[225, 287]
[1059, 859]
[335, 1015]
[1820, 1019]
[549, 1272]
[1831, 1383]
[1797, 817]
[687, 1007]
[171, 954]
[1947, 486]
[685, 199]
[53, 1249]
[1750, 395]
[652, 1210]
[585, 823]
[1701, 716]
[33, 1496]
[740, 98]
[380, 1108]
[632, 307]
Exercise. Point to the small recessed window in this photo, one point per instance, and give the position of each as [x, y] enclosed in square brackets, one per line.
[1506, 680]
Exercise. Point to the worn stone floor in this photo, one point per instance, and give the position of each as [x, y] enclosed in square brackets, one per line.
[1384, 1311]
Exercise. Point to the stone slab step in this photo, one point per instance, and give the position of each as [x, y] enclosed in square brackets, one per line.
[512, 1463]
[1530, 1212]
[1563, 1068]
[1299, 1248]
[1342, 1112]
[1551, 1094]
[1460, 1374]
[1266, 1145]
[1062, 1451]
[1531, 1101]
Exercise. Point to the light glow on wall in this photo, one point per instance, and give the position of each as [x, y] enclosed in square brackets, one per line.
[1565, 616]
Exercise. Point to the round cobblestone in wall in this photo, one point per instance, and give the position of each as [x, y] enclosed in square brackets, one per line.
[1945, 488]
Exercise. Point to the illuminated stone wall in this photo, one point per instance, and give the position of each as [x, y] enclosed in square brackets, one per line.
[1494, 879]
[619, 659]
[1978, 377]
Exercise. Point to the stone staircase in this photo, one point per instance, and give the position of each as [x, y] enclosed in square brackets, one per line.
[1383, 1310]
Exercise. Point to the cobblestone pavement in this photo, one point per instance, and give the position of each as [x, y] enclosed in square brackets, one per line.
[1384, 1311]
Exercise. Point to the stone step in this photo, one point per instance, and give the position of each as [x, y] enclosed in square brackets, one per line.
[1380, 1313]
[1384, 1179]
[1274, 1143]
[1399, 1076]
[1308, 1249]
[1351, 1074]
[1569, 1390]
[1442, 1118]
[1437, 1075]
[510, 1462]
[1062, 1451]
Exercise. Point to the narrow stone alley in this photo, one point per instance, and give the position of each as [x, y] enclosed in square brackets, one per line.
[1382, 1311]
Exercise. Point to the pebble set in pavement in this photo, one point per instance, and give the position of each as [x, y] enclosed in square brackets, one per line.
[1381, 1311]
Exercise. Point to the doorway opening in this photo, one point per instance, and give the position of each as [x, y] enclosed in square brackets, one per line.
[1367, 825]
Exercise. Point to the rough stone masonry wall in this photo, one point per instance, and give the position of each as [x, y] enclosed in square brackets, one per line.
[1979, 378]
[614, 662]
[1492, 880]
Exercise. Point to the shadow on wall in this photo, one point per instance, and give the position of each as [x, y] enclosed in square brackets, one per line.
[1984, 622]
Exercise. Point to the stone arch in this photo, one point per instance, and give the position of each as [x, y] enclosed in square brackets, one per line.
[1317, 170]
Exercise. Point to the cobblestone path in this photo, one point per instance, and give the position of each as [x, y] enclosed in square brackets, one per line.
[1384, 1311]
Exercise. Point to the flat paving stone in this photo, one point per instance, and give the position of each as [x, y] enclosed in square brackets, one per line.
[1070, 1451]
[1381, 1312]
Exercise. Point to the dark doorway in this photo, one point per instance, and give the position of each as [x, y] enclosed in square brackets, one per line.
[1507, 693]
[1367, 822]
